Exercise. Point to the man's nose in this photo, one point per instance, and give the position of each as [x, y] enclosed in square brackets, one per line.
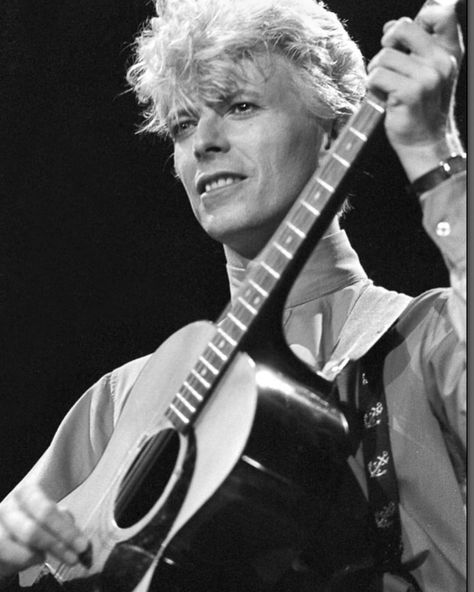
[210, 136]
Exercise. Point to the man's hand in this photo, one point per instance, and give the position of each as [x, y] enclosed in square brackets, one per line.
[417, 70]
[31, 525]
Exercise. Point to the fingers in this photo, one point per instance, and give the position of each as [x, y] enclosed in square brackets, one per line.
[58, 524]
[418, 72]
[14, 556]
[440, 20]
[31, 525]
[411, 64]
[434, 27]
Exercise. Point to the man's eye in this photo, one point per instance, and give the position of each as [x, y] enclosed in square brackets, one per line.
[181, 127]
[243, 107]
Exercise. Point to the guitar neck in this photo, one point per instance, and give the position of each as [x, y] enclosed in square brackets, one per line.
[282, 259]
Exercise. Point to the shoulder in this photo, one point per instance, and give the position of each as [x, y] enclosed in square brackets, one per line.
[121, 381]
[427, 310]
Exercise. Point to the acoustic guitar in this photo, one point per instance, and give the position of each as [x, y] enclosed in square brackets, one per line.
[227, 470]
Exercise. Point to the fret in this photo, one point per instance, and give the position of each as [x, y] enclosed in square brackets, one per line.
[185, 402]
[302, 220]
[310, 208]
[227, 337]
[201, 379]
[243, 314]
[376, 106]
[258, 288]
[203, 371]
[367, 120]
[252, 296]
[178, 413]
[288, 238]
[270, 270]
[236, 321]
[286, 253]
[208, 365]
[217, 351]
[343, 161]
[247, 305]
[330, 188]
[359, 134]
[295, 229]
[277, 261]
[193, 391]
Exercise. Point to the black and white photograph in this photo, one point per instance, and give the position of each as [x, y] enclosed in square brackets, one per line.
[233, 296]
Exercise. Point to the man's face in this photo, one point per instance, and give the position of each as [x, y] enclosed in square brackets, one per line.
[244, 161]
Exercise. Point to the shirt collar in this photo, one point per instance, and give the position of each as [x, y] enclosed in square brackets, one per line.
[332, 265]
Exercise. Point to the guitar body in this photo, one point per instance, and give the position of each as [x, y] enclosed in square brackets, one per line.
[237, 503]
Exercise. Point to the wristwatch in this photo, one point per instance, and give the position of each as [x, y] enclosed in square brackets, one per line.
[445, 169]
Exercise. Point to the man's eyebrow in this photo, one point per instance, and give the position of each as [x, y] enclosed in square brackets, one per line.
[174, 115]
[249, 92]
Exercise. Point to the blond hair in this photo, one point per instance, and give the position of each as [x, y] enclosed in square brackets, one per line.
[192, 49]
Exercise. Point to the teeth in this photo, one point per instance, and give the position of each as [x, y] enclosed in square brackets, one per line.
[222, 182]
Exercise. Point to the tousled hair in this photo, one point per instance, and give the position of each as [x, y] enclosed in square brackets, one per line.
[192, 50]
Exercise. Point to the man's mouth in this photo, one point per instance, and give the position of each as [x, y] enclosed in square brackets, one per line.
[222, 182]
[213, 182]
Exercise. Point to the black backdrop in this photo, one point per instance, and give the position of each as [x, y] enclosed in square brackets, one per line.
[100, 257]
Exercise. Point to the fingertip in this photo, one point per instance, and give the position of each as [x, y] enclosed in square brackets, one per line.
[388, 25]
[81, 544]
[371, 65]
[391, 27]
[69, 557]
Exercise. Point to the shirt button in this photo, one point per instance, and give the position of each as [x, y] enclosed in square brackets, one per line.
[443, 228]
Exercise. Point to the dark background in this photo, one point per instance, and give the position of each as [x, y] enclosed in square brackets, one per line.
[100, 257]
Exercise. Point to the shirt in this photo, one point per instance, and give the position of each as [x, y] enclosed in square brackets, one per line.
[424, 382]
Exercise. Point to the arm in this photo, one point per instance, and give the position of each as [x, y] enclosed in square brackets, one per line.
[32, 524]
[417, 70]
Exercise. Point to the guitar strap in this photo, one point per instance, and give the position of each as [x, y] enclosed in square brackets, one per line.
[379, 466]
[368, 336]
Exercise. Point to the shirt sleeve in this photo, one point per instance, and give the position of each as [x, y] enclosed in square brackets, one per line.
[444, 218]
[82, 436]
[77, 444]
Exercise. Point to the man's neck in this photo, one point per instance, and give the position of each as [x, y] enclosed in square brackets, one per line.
[238, 261]
[333, 265]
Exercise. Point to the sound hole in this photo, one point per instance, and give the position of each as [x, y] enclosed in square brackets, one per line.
[147, 478]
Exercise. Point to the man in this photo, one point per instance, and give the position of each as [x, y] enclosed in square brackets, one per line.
[253, 94]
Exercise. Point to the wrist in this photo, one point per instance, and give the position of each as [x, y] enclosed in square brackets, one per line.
[418, 159]
[446, 168]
